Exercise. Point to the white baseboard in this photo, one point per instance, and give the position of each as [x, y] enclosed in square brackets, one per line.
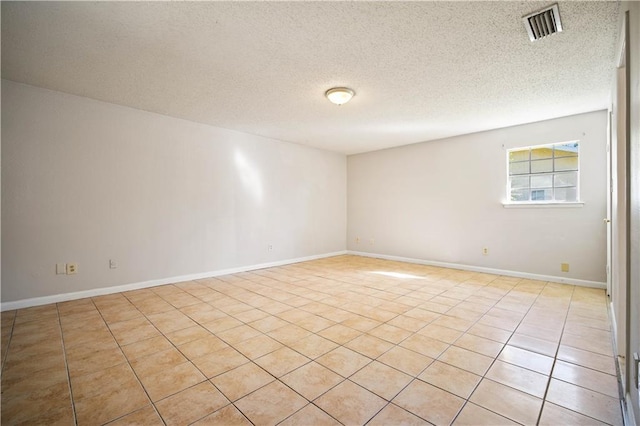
[37, 301]
[45, 300]
[551, 278]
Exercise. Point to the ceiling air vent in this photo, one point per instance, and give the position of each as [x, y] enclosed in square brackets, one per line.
[543, 23]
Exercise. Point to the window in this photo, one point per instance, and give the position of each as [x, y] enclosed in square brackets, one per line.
[544, 173]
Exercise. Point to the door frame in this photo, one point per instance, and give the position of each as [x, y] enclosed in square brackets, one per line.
[626, 276]
[618, 186]
[632, 24]
[609, 216]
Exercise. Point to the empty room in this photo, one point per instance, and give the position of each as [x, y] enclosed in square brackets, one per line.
[320, 213]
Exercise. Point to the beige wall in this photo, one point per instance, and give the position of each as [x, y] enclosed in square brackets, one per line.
[441, 201]
[85, 181]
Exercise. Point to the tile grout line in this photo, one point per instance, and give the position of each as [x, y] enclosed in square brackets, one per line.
[395, 345]
[313, 360]
[338, 306]
[467, 400]
[329, 291]
[555, 358]
[415, 377]
[66, 364]
[6, 354]
[207, 379]
[128, 361]
[277, 379]
[495, 359]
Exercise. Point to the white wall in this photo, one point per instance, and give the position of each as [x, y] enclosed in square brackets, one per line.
[86, 181]
[442, 201]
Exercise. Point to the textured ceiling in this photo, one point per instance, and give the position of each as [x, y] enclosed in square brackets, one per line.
[421, 70]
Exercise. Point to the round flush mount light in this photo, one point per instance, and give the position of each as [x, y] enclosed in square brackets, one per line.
[339, 95]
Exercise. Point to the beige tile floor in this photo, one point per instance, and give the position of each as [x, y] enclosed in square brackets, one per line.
[345, 340]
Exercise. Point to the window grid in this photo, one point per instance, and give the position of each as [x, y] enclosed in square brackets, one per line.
[554, 185]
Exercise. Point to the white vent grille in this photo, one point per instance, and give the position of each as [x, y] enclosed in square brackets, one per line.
[543, 23]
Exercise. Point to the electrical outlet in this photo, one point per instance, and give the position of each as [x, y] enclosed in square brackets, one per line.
[564, 267]
[270, 247]
[72, 268]
[357, 240]
[61, 268]
[113, 264]
[485, 251]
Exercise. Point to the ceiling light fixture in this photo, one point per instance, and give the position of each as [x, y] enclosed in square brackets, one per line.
[340, 95]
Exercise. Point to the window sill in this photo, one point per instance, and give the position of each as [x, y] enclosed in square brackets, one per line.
[577, 204]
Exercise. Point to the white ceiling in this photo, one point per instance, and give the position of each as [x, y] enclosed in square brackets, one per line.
[421, 70]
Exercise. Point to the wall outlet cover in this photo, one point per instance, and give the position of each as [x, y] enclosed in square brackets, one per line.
[72, 268]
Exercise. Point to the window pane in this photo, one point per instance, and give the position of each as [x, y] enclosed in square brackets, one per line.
[519, 168]
[541, 152]
[542, 166]
[541, 194]
[544, 173]
[566, 179]
[519, 182]
[519, 155]
[567, 150]
[544, 181]
[519, 195]
[566, 163]
[566, 194]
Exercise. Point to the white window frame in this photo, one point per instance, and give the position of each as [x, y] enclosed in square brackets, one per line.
[541, 203]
